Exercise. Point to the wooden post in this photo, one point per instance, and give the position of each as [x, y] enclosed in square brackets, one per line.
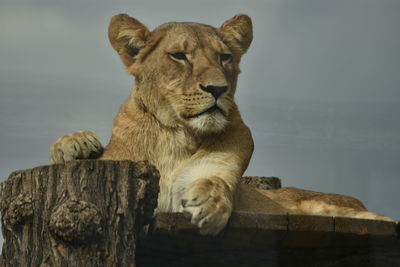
[83, 213]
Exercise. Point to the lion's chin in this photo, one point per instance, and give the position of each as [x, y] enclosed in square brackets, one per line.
[208, 123]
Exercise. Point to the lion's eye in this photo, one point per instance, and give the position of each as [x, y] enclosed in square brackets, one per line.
[179, 56]
[225, 57]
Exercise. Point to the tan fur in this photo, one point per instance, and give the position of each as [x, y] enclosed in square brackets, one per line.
[300, 201]
[200, 156]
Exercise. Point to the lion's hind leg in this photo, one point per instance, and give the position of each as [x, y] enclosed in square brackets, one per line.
[320, 207]
[300, 201]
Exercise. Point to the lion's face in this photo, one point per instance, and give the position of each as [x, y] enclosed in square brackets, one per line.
[194, 73]
[186, 72]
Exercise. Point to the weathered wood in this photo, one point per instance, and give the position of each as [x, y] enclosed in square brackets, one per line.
[254, 239]
[83, 213]
[100, 213]
[262, 182]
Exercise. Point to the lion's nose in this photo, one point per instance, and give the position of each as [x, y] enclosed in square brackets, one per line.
[216, 91]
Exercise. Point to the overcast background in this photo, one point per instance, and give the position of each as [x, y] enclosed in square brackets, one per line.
[320, 85]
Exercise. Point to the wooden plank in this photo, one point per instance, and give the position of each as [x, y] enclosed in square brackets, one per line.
[364, 233]
[309, 231]
[254, 239]
[365, 227]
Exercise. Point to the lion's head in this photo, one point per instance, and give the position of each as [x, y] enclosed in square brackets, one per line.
[186, 73]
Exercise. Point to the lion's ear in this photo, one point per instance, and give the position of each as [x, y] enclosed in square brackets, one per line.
[237, 33]
[127, 36]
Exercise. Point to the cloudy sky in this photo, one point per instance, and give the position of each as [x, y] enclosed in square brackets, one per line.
[320, 85]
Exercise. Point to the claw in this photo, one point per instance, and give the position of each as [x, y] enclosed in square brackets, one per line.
[183, 202]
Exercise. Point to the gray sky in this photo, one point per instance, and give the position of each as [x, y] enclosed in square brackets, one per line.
[320, 85]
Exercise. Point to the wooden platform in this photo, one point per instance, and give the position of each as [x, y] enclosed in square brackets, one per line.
[252, 239]
[99, 213]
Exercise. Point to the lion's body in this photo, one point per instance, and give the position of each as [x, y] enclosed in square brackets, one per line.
[179, 153]
[181, 117]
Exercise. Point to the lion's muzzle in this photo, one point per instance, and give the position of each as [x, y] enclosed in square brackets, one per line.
[216, 91]
[214, 108]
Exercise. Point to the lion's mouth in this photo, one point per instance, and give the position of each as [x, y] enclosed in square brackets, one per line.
[211, 109]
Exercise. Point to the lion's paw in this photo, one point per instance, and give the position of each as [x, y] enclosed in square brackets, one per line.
[208, 204]
[78, 145]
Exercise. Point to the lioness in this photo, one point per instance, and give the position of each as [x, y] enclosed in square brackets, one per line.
[181, 116]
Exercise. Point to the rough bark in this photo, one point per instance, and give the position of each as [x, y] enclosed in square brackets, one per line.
[262, 182]
[83, 213]
[100, 213]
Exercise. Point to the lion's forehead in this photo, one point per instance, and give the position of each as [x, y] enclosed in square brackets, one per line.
[188, 36]
[189, 27]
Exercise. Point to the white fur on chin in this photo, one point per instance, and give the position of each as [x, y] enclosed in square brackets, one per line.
[209, 123]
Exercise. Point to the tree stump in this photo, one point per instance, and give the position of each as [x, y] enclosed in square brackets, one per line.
[262, 182]
[83, 213]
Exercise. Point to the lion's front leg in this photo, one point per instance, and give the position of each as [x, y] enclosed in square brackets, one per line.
[207, 202]
[203, 186]
[78, 145]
